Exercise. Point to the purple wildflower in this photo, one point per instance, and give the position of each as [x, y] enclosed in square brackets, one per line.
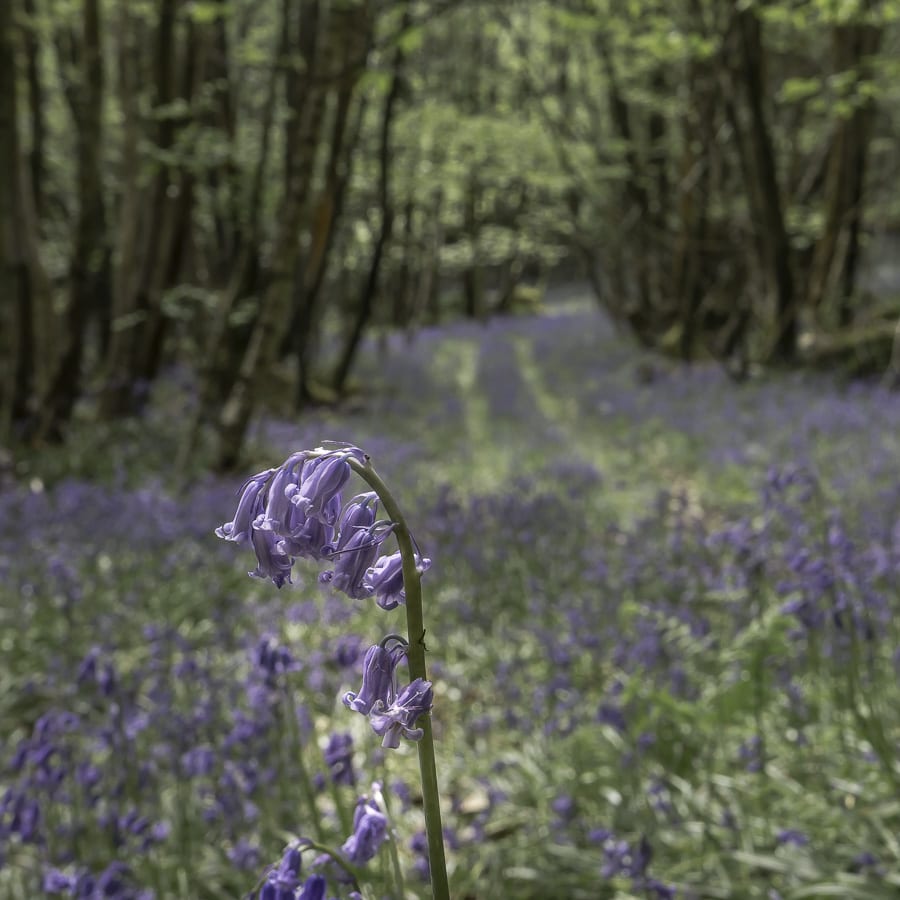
[377, 691]
[282, 881]
[369, 832]
[313, 888]
[385, 579]
[358, 515]
[400, 717]
[56, 881]
[322, 481]
[307, 537]
[271, 562]
[249, 507]
[791, 836]
[278, 497]
[354, 560]
[339, 758]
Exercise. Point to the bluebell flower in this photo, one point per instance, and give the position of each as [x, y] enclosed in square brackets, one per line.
[274, 515]
[249, 508]
[791, 836]
[313, 888]
[271, 562]
[322, 480]
[272, 659]
[385, 579]
[377, 691]
[400, 717]
[307, 537]
[354, 560]
[244, 854]
[370, 831]
[56, 881]
[339, 758]
[283, 881]
[358, 515]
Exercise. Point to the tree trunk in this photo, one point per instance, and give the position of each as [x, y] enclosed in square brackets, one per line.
[36, 157]
[151, 255]
[386, 201]
[89, 266]
[302, 135]
[765, 193]
[28, 327]
[330, 202]
[833, 269]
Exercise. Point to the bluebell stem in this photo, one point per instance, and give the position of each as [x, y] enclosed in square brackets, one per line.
[296, 510]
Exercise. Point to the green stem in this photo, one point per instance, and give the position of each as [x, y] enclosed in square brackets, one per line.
[306, 785]
[415, 626]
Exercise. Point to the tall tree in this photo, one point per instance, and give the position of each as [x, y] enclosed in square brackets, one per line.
[151, 254]
[386, 204]
[835, 261]
[28, 323]
[328, 43]
[89, 263]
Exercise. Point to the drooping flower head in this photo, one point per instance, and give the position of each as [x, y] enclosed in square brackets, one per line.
[292, 512]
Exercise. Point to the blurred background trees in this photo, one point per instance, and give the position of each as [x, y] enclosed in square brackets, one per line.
[245, 188]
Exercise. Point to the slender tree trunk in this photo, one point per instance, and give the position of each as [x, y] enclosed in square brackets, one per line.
[26, 316]
[763, 184]
[330, 202]
[835, 257]
[15, 314]
[36, 158]
[302, 139]
[633, 276]
[429, 289]
[386, 201]
[151, 256]
[89, 267]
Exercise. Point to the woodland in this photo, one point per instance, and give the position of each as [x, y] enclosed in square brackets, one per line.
[247, 188]
[539, 362]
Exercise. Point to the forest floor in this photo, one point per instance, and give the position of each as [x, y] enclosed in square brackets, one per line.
[662, 621]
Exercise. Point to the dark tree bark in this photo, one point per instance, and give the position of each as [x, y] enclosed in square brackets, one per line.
[370, 287]
[36, 157]
[324, 57]
[833, 270]
[89, 266]
[28, 326]
[762, 182]
[151, 255]
[330, 201]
